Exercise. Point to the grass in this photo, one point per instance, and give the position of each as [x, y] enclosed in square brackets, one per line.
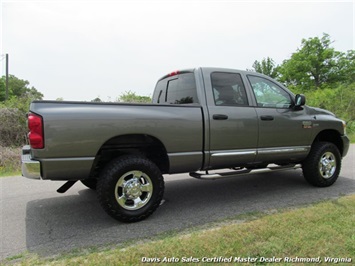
[324, 230]
[8, 173]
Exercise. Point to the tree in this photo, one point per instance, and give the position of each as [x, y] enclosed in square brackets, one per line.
[346, 66]
[267, 67]
[132, 97]
[18, 88]
[97, 100]
[13, 126]
[314, 64]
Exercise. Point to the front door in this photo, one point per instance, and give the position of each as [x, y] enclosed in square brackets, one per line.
[283, 131]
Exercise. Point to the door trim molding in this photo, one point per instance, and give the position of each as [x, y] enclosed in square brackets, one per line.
[262, 151]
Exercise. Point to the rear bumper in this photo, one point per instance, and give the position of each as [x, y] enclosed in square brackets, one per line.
[30, 168]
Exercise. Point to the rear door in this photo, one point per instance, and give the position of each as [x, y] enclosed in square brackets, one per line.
[233, 122]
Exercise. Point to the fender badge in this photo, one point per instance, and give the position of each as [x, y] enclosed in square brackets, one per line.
[307, 124]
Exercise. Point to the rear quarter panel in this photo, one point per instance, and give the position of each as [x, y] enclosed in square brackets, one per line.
[74, 132]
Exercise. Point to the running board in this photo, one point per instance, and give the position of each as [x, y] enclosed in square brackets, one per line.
[243, 171]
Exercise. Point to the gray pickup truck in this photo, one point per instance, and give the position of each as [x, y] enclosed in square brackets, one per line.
[201, 120]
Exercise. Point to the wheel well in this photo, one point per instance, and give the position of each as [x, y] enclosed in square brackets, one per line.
[144, 145]
[332, 136]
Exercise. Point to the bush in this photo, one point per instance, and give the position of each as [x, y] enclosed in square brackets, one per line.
[10, 160]
[339, 100]
[350, 130]
[12, 129]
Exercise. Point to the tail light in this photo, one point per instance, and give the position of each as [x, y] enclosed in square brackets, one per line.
[36, 136]
[174, 73]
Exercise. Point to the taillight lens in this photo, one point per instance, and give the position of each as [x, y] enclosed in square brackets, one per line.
[35, 125]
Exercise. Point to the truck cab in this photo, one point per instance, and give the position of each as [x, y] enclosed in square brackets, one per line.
[250, 119]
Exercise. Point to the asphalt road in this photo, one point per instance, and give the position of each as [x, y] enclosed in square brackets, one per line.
[35, 218]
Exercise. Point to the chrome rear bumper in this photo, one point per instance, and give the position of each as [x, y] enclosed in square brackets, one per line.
[30, 168]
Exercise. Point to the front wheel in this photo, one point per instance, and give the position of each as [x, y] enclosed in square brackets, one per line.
[130, 188]
[322, 166]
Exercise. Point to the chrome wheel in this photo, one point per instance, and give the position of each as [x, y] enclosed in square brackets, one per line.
[133, 190]
[327, 165]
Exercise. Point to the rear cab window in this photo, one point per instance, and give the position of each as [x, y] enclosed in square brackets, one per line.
[176, 88]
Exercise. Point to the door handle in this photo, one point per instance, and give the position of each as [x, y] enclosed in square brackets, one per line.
[267, 117]
[220, 117]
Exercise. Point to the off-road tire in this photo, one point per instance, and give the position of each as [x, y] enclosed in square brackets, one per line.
[119, 186]
[322, 166]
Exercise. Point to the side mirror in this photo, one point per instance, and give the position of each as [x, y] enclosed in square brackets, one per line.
[300, 100]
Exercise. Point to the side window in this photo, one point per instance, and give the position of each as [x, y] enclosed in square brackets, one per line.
[159, 92]
[182, 90]
[228, 89]
[269, 94]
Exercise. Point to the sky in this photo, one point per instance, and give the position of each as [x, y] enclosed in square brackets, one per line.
[79, 50]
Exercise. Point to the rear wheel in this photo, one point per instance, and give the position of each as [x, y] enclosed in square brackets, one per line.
[322, 166]
[130, 188]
